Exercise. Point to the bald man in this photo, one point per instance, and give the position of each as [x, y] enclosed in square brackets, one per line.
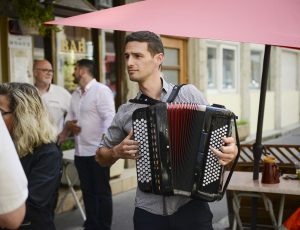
[56, 98]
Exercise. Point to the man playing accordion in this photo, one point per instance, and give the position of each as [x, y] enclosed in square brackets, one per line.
[144, 55]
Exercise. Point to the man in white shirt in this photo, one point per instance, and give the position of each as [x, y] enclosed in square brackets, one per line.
[13, 182]
[91, 112]
[56, 98]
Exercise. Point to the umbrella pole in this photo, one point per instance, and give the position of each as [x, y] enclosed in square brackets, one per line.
[257, 146]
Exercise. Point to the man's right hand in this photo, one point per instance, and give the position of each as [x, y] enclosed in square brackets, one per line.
[73, 127]
[127, 149]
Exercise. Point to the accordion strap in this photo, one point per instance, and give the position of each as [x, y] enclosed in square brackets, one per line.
[174, 93]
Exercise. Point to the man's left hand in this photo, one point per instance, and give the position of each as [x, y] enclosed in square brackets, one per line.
[227, 152]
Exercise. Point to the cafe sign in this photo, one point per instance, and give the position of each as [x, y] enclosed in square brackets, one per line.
[73, 45]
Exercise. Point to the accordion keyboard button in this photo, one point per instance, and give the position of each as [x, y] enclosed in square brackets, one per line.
[212, 167]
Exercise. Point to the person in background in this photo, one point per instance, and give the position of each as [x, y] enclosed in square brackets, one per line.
[13, 182]
[144, 55]
[56, 98]
[34, 137]
[91, 112]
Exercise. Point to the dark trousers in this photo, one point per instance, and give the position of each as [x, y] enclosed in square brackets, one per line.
[96, 191]
[194, 215]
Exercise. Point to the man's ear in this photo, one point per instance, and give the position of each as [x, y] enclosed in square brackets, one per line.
[160, 58]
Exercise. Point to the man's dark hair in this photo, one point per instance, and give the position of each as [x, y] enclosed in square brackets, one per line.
[155, 45]
[89, 65]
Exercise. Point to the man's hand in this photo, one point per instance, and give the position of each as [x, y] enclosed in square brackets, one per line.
[62, 136]
[127, 149]
[227, 152]
[73, 127]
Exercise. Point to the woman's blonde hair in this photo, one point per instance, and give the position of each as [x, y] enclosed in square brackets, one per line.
[31, 124]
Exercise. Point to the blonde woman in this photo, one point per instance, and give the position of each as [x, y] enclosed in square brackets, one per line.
[34, 137]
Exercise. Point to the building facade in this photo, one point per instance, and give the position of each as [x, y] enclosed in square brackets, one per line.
[228, 73]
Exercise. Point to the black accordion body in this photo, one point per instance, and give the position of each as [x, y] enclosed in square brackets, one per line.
[175, 158]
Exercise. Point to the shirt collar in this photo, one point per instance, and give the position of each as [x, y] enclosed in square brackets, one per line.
[166, 89]
[50, 88]
[87, 87]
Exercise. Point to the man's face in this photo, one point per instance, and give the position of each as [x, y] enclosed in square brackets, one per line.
[43, 72]
[141, 65]
[76, 74]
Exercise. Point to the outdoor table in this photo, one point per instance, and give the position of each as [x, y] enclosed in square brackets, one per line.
[243, 185]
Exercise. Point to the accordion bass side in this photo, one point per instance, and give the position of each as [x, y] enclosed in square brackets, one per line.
[175, 158]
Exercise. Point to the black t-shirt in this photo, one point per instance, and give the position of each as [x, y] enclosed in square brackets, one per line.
[43, 169]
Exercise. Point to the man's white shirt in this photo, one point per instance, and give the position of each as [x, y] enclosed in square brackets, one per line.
[57, 100]
[94, 111]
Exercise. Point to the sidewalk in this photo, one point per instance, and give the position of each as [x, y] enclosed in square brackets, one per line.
[123, 198]
[123, 208]
[122, 214]
[123, 189]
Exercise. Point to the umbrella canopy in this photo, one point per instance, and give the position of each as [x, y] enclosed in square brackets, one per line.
[273, 22]
[269, 22]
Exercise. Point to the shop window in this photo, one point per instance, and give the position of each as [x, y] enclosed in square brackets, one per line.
[212, 67]
[72, 44]
[222, 67]
[256, 68]
[229, 69]
[289, 73]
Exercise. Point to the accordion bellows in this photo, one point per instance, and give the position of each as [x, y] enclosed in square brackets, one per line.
[175, 158]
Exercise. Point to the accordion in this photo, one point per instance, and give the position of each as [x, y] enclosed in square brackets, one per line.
[175, 158]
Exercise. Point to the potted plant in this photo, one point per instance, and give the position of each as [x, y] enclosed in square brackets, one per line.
[33, 14]
[243, 129]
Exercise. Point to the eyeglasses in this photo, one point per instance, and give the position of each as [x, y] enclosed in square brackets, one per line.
[46, 70]
[3, 113]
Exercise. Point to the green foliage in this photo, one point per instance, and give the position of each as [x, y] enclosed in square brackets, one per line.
[241, 122]
[34, 14]
[68, 144]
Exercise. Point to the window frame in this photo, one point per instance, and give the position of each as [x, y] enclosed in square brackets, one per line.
[220, 46]
[258, 48]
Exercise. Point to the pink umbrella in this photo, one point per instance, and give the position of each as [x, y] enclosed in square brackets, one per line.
[270, 22]
[273, 22]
